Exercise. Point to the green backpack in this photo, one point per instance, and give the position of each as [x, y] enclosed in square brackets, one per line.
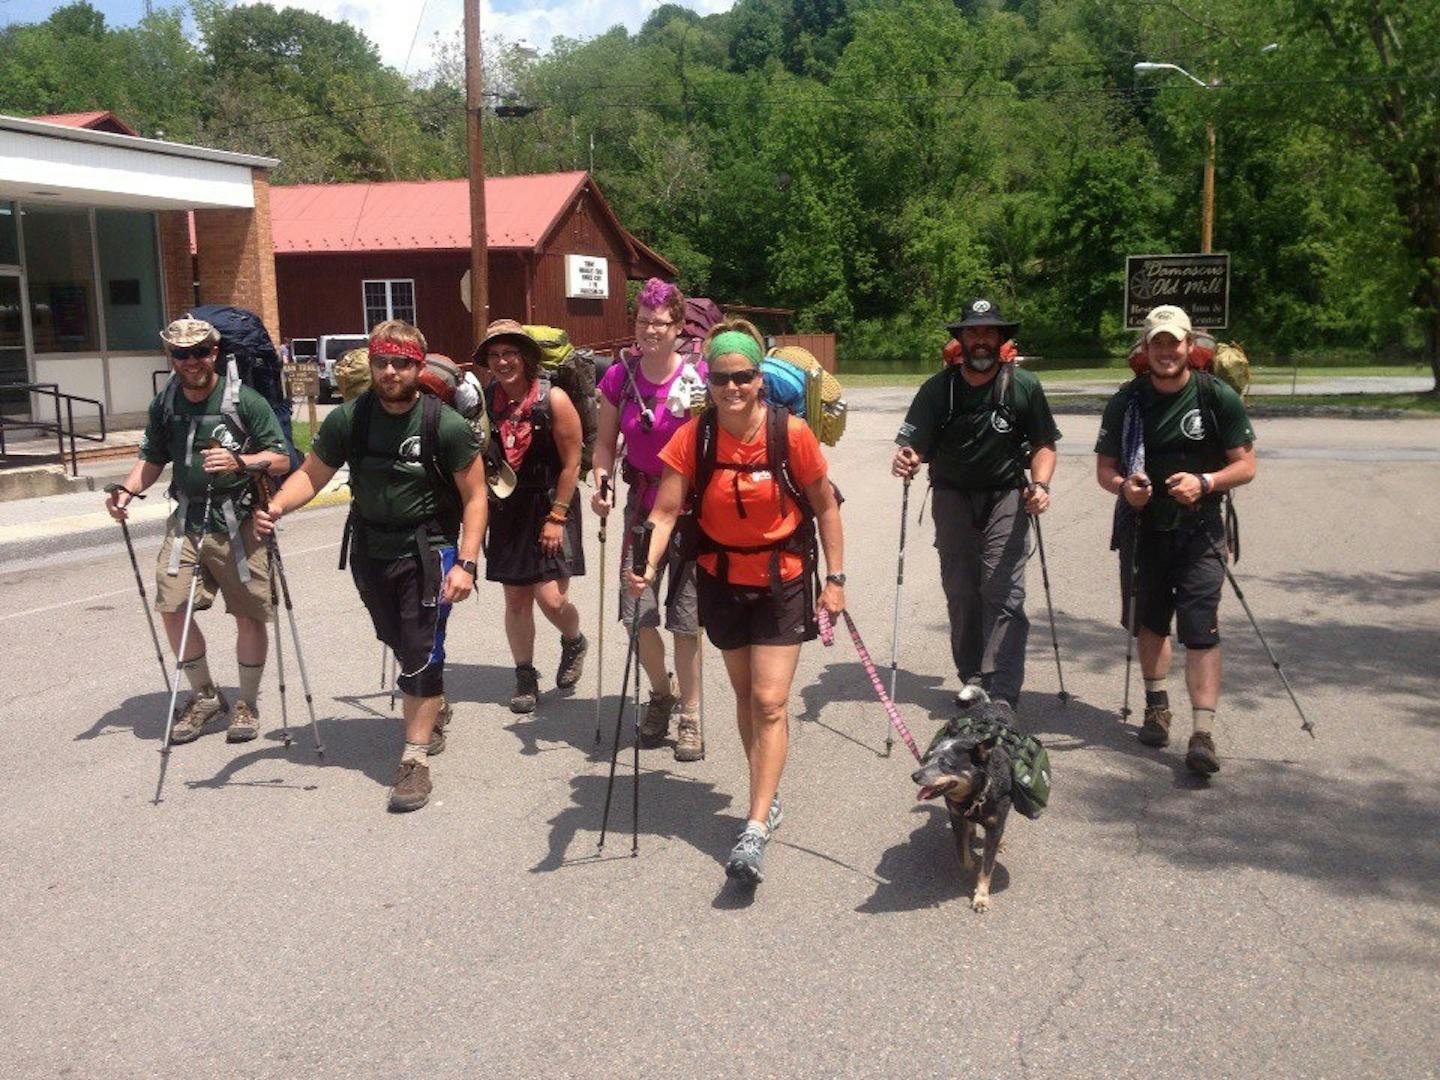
[1029, 761]
[572, 370]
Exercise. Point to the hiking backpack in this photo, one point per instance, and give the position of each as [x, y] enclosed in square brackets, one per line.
[1029, 760]
[821, 405]
[701, 315]
[244, 337]
[572, 370]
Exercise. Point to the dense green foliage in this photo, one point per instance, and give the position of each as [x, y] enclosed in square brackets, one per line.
[872, 162]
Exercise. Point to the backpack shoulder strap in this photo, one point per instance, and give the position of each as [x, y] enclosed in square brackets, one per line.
[360, 430]
[230, 398]
[1205, 391]
[706, 450]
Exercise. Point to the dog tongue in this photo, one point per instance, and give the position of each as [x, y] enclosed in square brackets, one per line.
[927, 792]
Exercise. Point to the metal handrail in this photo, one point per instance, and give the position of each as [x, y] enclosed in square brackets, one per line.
[61, 428]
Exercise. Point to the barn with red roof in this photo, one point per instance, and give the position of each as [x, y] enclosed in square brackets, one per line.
[350, 255]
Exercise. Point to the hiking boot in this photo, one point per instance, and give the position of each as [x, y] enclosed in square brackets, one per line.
[747, 857]
[1155, 731]
[437, 733]
[656, 723]
[689, 737]
[198, 712]
[527, 689]
[244, 724]
[1201, 757]
[412, 786]
[572, 662]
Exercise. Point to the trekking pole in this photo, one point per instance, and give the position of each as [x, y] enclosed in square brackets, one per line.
[140, 582]
[384, 666]
[639, 557]
[394, 676]
[1305, 724]
[1131, 632]
[263, 484]
[1049, 606]
[184, 633]
[285, 735]
[600, 632]
[895, 626]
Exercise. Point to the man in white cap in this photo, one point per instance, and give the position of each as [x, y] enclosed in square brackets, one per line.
[1172, 442]
[210, 429]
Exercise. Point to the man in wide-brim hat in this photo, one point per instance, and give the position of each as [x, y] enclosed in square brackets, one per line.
[980, 424]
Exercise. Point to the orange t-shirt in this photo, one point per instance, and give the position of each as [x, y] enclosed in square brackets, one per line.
[759, 494]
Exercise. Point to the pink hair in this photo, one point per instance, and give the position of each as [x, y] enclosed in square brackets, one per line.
[659, 295]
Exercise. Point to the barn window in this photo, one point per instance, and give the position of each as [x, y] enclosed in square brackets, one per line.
[393, 299]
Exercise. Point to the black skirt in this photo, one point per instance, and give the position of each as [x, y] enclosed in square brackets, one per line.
[512, 541]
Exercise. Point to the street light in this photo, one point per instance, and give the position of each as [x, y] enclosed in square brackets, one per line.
[1207, 203]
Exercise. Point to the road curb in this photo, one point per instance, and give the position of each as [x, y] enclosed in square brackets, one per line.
[80, 531]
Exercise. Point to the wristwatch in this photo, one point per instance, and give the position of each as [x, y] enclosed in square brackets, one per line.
[1205, 484]
[836, 579]
[1042, 485]
[468, 565]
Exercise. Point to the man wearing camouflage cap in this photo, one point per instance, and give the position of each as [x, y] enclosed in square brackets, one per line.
[210, 429]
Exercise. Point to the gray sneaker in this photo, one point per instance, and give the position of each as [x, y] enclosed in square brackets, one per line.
[198, 712]
[655, 725]
[747, 858]
[244, 724]
[772, 819]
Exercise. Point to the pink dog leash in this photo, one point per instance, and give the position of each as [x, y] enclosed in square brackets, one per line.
[827, 637]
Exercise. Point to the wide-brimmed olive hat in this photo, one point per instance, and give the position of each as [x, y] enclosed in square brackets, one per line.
[982, 312]
[508, 330]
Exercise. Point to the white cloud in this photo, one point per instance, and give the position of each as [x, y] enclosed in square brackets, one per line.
[391, 24]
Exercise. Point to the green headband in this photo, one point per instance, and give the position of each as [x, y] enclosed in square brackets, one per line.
[734, 341]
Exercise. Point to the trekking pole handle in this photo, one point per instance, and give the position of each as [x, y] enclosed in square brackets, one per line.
[121, 487]
[605, 488]
[640, 548]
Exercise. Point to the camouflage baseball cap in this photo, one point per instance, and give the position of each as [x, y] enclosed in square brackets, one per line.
[185, 332]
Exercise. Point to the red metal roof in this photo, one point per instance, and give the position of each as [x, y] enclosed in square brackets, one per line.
[95, 121]
[424, 215]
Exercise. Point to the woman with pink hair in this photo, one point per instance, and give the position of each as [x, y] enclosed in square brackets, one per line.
[646, 396]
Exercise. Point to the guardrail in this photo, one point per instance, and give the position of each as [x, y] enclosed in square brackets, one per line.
[63, 427]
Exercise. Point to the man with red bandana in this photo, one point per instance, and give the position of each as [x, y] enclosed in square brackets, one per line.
[413, 541]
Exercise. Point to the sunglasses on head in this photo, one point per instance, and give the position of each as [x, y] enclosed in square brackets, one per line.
[743, 377]
[190, 352]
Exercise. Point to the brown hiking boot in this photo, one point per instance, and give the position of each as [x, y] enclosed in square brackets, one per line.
[572, 661]
[1201, 756]
[689, 737]
[1155, 731]
[412, 786]
[437, 733]
[527, 689]
[244, 724]
[656, 723]
[198, 712]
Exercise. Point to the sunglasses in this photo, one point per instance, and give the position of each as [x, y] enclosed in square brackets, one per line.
[399, 363]
[192, 352]
[743, 377]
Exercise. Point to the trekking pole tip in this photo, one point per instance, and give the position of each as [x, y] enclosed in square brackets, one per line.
[1064, 696]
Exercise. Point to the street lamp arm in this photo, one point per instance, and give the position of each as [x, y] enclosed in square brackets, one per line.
[1145, 67]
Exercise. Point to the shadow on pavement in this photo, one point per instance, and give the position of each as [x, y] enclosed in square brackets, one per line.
[847, 681]
[923, 870]
[680, 809]
[143, 715]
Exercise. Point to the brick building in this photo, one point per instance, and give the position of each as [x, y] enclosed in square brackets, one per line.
[96, 251]
[350, 255]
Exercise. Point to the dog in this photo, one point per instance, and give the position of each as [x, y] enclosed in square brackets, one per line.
[973, 775]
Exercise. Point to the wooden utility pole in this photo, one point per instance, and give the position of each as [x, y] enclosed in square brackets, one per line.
[1207, 206]
[474, 104]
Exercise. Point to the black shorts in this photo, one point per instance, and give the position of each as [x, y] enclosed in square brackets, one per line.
[408, 621]
[735, 616]
[1181, 575]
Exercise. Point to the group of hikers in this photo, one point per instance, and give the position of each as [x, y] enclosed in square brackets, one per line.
[737, 506]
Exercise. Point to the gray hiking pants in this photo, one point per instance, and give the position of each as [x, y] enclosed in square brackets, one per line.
[983, 538]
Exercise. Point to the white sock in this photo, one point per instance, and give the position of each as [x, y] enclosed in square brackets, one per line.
[416, 752]
[1153, 686]
[1204, 719]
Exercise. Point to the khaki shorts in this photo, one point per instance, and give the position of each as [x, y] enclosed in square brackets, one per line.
[218, 573]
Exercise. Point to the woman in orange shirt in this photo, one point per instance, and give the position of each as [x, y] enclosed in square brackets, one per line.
[756, 557]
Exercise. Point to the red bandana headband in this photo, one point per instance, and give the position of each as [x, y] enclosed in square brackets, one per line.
[389, 346]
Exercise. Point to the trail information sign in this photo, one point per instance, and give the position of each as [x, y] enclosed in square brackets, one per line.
[1197, 284]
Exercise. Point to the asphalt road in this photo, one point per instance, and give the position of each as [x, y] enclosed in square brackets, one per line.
[270, 919]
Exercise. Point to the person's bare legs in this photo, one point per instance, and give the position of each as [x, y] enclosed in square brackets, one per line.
[553, 597]
[1155, 654]
[761, 676]
[520, 622]
[687, 670]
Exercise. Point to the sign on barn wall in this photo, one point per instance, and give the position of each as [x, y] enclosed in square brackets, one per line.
[587, 277]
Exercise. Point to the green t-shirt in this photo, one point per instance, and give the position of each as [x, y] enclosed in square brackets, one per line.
[163, 444]
[980, 448]
[393, 493]
[1177, 438]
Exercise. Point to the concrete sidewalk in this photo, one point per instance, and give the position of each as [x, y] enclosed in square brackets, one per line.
[78, 520]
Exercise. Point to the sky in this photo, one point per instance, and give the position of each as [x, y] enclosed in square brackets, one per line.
[391, 24]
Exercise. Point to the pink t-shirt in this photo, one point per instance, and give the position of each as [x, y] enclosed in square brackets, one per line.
[642, 448]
